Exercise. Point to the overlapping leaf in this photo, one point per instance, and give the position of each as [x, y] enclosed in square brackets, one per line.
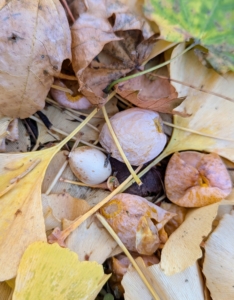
[209, 22]
[35, 39]
[49, 271]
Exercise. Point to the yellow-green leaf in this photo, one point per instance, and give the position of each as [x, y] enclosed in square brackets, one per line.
[209, 22]
[51, 272]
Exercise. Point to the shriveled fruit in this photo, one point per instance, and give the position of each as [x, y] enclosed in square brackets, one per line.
[139, 132]
[67, 100]
[88, 165]
[138, 223]
[194, 179]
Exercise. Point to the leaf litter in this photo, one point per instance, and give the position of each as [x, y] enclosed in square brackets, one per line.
[109, 40]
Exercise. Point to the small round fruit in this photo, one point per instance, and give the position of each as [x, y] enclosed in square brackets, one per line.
[88, 163]
[139, 132]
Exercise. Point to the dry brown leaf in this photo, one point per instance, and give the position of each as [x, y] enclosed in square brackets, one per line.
[5, 291]
[121, 45]
[57, 207]
[157, 94]
[186, 285]
[91, 241]
[183, 247]
[39, 30]
[219, 260]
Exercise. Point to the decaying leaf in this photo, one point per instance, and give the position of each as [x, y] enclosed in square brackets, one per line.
[208, 22]
[35, 39]
[57, 207]
[91, 241]
[186, 285]
[209, 114]
[219, 260]
[183, 247]
[157, 94]
[105, 49]
[59, 272]
[195, 179]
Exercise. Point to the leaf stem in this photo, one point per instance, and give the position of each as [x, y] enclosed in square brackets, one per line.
[110, 86]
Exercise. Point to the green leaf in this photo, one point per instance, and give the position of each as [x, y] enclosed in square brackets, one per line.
[210, 23]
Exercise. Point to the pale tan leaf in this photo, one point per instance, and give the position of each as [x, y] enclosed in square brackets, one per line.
[49, 272]
[57, 207]
[23, 144]
[183, 247]
[186, 285]
[35, 39]
[91, 241]
[4, 123]
[219, 260]
[209, 114]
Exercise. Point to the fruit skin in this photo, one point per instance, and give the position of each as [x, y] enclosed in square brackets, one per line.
[138, 222]
[139, 132]
[195, 179]
[87, 164]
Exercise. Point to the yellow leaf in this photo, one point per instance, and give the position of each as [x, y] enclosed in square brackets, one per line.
[219, 260]
[183, 247]
[210, 115]
[51, 272]
[22, 221]
[186, 285]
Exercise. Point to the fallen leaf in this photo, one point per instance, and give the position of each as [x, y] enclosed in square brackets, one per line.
[23, 144]
[186, 285]
[45, 265]
[105, 49]
[22, 219]
[183, 247]
[39, 30]
[210, 115]
[219, 260]
[4, 123]
[157, 94]
[208, 23]
[91, 241]
[5, 291]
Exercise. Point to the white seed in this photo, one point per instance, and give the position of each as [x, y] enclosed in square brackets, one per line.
[88, 163]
